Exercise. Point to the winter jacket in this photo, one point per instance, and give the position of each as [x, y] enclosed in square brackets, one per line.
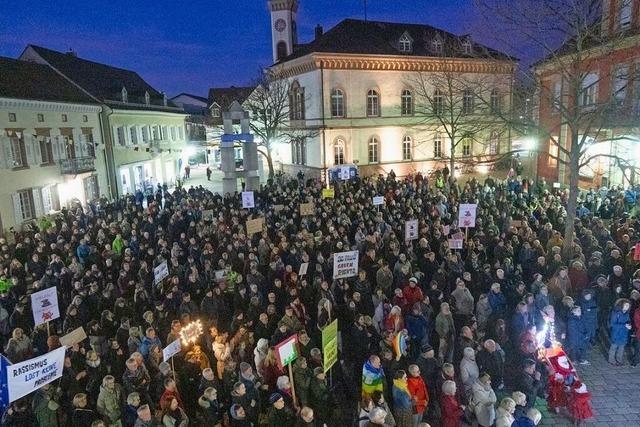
[503, 418]
[419, 394]
[109, 404]
[451, 412]
[589, 311]
[482, 403]
[210, 411]
[577, 333]
[417, 327]
[44, 409]
[619, 331]
[146, 344]
[445, 327]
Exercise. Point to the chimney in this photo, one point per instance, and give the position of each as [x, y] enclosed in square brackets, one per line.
[319, 31]
[72, 53]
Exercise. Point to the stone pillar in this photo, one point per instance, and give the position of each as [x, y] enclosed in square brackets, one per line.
[228, 167]
[250, 154]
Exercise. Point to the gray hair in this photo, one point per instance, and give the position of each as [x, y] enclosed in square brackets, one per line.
[377, 414]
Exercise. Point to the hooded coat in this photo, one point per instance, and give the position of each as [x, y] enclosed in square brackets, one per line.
[109, 404]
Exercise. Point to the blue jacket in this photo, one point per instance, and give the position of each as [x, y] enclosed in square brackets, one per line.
[497, 302]
[83, 251]
[416, 326]
[523, 422]
[619, 331]
[401, 399]
[577, 332]
[146, 344]
[589, 310]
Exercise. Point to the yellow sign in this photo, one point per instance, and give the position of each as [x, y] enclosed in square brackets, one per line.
[330, 345]
[328, 193]
[254, 226]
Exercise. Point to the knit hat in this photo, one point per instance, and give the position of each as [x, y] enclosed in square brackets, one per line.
[274, 398]
[234, 411]
[426, 348]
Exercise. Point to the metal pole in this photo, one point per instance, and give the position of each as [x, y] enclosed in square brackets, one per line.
[293, 387]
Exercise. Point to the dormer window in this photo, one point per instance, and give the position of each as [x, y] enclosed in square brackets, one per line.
[436, 46]
[147, 98]
[125, 96]
[466, 47]
[405, 43]
[215, 111]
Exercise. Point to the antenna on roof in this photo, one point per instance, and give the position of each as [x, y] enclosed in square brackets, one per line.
[365, 10]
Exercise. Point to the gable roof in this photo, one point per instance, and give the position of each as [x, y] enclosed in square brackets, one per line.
[27, 80]
[356, 36]
[105, 82]
[224, 96]
[196, 97]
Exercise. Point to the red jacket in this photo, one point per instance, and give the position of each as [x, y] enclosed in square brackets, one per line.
[413, 295]
[419, 393]
[167, 396]
[451, 412]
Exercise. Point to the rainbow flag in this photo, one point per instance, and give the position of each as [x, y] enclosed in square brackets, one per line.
[372, 379]
[400, 345]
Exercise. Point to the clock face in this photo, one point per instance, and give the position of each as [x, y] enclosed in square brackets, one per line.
[280, 25]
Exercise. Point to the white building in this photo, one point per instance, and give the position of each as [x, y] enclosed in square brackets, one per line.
[52, 149]
[144, 132]
[353, 86]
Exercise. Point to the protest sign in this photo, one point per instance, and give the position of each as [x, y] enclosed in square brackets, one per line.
[207, 215]
[28, 376]
[456, 243]
[74, 337]
[378, 200]
[307, 209]
[411, 230]
[328, 193]
[636, 252]
[278, 208]
[344, 173]
[286, 351]
[248, 201]
[303, 269]
[171, 350]
[254, 226]
[467, 215]
[44, 305]
[161, 272]
[330, 345]
[516, 223]
[345, 264]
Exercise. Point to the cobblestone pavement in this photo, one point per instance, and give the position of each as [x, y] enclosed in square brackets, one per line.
[614, 393]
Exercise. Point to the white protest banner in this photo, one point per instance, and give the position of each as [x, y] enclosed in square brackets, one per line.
[345, 264]
[456, 243]
[378, 200]
[344, 173]
[28, 376]
[248, 201]
[160, 272]
[303, 269]
[171, 350]
[44, 305]
[74, 337]
[467, 215]
[411, 230]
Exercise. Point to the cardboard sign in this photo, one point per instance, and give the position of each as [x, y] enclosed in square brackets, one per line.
[26, 377]
[74, 337]
[330, 345]
[467, 215]
[171, 350]
[459, 235]
[456, 243]
[207, 215]
[411, 230]
[303, 269]
[278, 208]
[516, 223]
[248, 201]
[254, 226]
[44, 305]
[378, 200]
[287, 351]
[161, 272]
[345, 264]
[328, 193]
[307, 209]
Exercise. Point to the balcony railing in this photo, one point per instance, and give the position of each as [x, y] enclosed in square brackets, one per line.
[76, 166]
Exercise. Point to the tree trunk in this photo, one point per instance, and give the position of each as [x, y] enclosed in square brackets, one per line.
[452, 162]
[572, 204]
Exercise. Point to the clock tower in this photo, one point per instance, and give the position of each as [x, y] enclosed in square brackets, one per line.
[283, 27]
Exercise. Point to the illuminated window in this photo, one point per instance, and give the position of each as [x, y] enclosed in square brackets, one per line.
[373, 150]
[337, 103]
[438, 102]
[437, 146]
[407, 148]
[467, 101]
[406, 101]
[373, 104]
[466, 147]
[553, 152]
[338, 152]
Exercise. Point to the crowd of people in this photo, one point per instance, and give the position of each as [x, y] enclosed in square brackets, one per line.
[428, 335]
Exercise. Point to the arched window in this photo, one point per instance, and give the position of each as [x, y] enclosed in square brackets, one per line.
[494, 143]
[494, 102]
[281, 50]
[405, 44]
[466, 47]
[437, 146]
[407, 148]
[296, 102]
[406, 103]
[338, 152]
[438, 102]
[337, 103]
[467, 101]
[298, 152]
[373, 104]
[374, 146]
[467, 145]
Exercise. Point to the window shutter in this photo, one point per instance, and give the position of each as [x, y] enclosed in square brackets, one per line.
[17, 209]
[7, 155]
[37, 152]
[28, 148]
[62, 147]
[46, 199]
[37, 202]
[81, 145]
[55, 148]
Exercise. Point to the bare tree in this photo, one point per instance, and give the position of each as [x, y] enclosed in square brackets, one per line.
[573, 39]
[465, 108]
[272, 106]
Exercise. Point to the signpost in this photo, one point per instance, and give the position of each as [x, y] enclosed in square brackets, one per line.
[44, 305]
[345, 264]
[161, 272]
[286, 354]
[330, 345]
[248, 201]
[411, 230]
[26, 377]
